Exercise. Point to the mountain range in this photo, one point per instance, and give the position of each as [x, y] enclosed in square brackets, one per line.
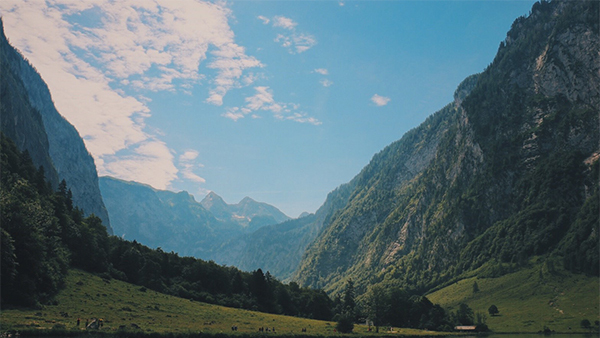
[506, 172]
[177, 222]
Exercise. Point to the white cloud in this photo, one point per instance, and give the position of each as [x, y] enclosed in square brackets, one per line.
[283, 22]
[321, 71]
[133, 45]
[233, 114]
[230, 61]
[265, 20]
[263, 100]
[188, 155]
[150, 162]
[380, 100]
[187, 165]
[326, 83]
[295, 42]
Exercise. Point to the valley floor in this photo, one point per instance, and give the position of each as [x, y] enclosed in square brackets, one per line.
[129, 308]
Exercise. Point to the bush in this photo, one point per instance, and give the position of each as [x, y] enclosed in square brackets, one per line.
[586, 324]
[345, 323]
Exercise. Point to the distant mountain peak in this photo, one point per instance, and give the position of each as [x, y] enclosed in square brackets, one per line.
[246, 200]
[212, 200]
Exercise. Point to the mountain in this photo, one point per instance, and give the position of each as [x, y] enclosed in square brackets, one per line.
[177, 222]
[507, 171]
[278, 248]
[248, 212]
[66, 148]
[20, 121]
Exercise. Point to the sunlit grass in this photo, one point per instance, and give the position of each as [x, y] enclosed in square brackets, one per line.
[528, 300]
[125, 306]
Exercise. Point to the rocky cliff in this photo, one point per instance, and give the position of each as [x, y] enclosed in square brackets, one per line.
[69, 155]
[506, 172]
[19, 120]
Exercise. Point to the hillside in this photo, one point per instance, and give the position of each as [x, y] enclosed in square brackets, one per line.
[507, 171]
[127, 307]
[539, 296]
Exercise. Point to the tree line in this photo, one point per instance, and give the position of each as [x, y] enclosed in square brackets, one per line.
[385, 306]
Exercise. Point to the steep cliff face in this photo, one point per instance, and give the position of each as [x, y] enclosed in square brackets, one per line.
[508, 171]
[66, 148]
[19, 120]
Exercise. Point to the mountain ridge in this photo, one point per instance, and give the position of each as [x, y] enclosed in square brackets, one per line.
[66, 148]
[175, 221]
[485, 188]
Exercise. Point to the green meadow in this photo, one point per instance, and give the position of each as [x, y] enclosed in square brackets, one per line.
[131, 308]
[528, 300]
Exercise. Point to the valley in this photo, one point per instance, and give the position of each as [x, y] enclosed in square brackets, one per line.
[484, 216]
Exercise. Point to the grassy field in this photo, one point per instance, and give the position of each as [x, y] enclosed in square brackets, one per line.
[125, 306]
[528, 300]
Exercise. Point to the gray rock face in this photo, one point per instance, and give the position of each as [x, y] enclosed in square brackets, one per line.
[66, 148]
[20, 121]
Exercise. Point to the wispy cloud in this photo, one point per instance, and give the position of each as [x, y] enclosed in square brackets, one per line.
[326, 83]
[380, 100]
[263, 100]
[130, 46]
[296, 42]
[264, 19]
[283, 22]
[321, 71]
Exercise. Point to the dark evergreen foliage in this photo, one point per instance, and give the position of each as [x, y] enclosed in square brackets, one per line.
[42, 235]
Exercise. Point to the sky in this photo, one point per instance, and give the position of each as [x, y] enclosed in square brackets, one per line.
[281, 101]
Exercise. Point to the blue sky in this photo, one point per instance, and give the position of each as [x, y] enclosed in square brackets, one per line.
[281, 101]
